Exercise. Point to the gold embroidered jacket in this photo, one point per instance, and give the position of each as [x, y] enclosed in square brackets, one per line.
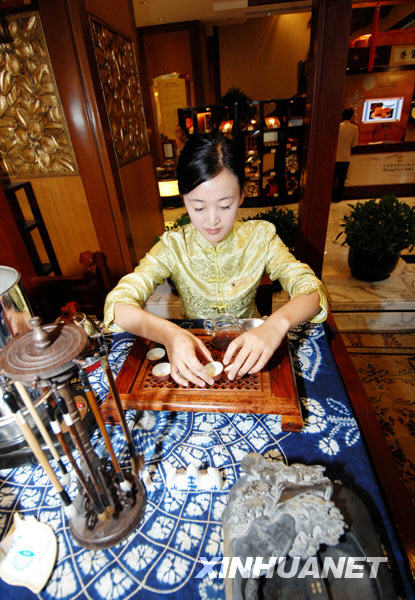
[216, 280]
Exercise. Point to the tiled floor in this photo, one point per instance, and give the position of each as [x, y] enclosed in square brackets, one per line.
[385, 363]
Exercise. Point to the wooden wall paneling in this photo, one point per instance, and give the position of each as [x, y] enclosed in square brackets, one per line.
[117, 14]
[63, 29]
[137, 193]
[328, 46]
[28, 215]
[168, 51]
[145, 214]
[39, 145]
[151, 207]
[174, 47]
[81, 28]
[66, 214]
[13, 252]
[135, 169]
[207, 88]
[67, 218]
[148, 101]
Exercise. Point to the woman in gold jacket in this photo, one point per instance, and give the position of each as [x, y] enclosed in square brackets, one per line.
[216, 264]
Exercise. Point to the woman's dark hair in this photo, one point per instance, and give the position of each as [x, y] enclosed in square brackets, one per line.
[204, 156]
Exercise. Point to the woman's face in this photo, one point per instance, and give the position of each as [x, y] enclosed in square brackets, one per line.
[213, 205]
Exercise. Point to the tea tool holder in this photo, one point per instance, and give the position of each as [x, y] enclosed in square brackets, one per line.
[110, 502]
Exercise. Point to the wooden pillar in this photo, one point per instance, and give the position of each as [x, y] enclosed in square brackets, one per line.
[13, 252]
[212, 46]
[79, 111]
[196, 54]
[328, 48]
[121, 190]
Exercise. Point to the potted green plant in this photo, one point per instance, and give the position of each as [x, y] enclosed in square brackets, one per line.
[285, 221]
[183, 219]
[376, 232]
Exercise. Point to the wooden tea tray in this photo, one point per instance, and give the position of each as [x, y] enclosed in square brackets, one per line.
[272, 391]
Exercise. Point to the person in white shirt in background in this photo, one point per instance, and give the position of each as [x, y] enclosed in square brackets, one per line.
[348, 135]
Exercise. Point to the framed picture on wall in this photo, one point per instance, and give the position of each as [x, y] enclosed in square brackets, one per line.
[382, 110]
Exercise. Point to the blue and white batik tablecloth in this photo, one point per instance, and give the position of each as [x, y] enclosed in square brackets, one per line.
[161, 558]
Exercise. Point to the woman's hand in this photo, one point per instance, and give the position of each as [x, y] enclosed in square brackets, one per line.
[181, 345]
[182, 348]
[254, 348]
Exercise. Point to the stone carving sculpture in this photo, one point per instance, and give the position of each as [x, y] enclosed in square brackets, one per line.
[277, 510]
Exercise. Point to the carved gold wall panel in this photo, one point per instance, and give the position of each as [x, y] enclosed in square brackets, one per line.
[121, 87]
[34, 139]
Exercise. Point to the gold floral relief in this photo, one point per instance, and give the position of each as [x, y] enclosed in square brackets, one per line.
[121, 87]
[34, 139]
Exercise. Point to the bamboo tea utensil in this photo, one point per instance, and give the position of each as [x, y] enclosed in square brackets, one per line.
[120, 411]
[42, 429]
[83, 376]
[102, 501]
[35, 447]
[56, 428]
[110, 502]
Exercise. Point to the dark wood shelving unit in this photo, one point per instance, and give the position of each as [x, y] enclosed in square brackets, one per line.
[28, 226]
[272, 142]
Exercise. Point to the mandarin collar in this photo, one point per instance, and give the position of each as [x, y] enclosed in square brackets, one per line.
[209, 246]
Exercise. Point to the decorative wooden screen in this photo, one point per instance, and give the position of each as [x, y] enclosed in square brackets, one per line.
[121, 88]
[34, 139]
